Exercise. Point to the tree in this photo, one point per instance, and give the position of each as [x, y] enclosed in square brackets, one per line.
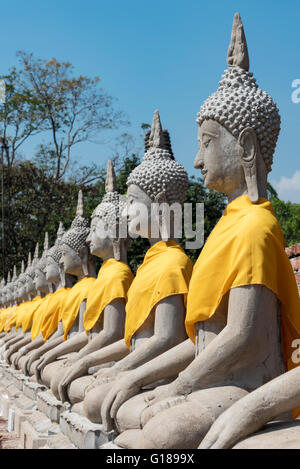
[73, 109]
[288, 215]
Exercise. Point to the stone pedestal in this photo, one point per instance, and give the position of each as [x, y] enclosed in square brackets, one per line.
[83, 433]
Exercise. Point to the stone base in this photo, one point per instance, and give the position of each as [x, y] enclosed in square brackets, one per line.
[83, 433]
[32, 389]
[50, 406]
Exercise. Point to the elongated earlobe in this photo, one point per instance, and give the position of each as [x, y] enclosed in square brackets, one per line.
[248, 142]
[116, 249]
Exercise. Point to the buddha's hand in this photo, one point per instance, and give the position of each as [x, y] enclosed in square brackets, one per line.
[44, 361]
[70, 361]
[26, 366]
[22, 351]
[122, 390]
[106, 375]
[163, 397]
[78, 369]
[234, 424]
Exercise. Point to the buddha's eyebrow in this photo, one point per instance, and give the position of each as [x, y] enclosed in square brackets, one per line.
[210, 134]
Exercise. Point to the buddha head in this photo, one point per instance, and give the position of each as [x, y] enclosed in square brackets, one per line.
[158, 179]
[30, 272]
[7, 289]
[238, 128]
[2, 293]
[22, 292]
[105, 239]
[75, 255]
[53, 258]
[14, 286]
[40, 280]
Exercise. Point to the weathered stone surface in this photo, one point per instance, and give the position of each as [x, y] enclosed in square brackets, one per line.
[50, 406]
[279, 435]
[83, 433]
[32, 389]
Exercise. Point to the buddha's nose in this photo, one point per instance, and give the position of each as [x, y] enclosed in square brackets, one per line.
[198, 161]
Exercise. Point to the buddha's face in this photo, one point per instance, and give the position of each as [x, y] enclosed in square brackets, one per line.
[30, 287]
[138, 212]
[40, 281]
[99, 242]
[22, 291]
[70, 260]
[219, 158]
[52, 271]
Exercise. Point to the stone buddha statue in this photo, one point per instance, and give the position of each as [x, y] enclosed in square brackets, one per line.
[77, 261]
[22, 299]
[155, 310]
[59, 283]
[232, 311]
[18, 349]
[104, 318]
[13, 297]
[250, 422]
[42, 287]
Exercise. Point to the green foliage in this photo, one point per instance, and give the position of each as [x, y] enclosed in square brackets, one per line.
[288, 215]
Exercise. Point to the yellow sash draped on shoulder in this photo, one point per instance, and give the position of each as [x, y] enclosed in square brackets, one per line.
[166, 271]
[28, 316]
[52, 315]
[21, 311]
[113, 281]
[39, 316]
[10, 318]
[246, 247]
[77, 294]
[4, 315]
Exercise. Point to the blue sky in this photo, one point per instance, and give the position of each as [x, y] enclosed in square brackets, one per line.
[169, 55]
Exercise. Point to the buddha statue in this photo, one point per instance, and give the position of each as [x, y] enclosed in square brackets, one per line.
[13, 297]
[243, 425]
[18, 350]
[155, 309]
[23, 302]
[41, 286]
[51, 325]
[231, 311]
[77, 261]
[104, 318]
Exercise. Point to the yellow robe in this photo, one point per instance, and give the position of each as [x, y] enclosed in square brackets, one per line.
[22, 310]
[166, 271]
[4, 315]
[10, 318]
[113, 281]
[39, 316]
[27, 318]
[77, 294]
[53, 314]
[246, 247]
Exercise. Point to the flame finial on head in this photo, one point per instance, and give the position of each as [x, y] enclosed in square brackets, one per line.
[80, 205]
[60, 232]
[238, 51]
[156, 139]
[36, 251]
[46, 242]
[111, 181]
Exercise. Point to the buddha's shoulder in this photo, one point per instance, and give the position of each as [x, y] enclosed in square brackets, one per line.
[177, 256]
[259, 222]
